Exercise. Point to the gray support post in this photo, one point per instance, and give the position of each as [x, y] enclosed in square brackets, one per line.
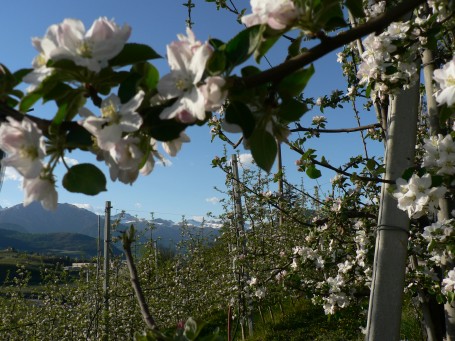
[384, 313]
[107, 239]
[241, 228]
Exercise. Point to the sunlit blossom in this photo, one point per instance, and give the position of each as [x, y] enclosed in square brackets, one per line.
[187, 61]
[278, 14]
[445, 77]
[24, 145]
[91, 49]
[116, 119]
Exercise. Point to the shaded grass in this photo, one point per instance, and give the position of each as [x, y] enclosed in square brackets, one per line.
[304, 321]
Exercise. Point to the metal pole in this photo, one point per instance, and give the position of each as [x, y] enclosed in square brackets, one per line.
[107, 239]
[243, 276]
[98, 251]
[384, 313]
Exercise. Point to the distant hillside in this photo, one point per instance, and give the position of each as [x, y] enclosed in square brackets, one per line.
[72, 219]
[13, 227]
[67, 218]
[63, 243]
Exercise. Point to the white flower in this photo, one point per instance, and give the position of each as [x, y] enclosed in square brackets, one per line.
[24, 144]
[213, 93]
[278, 14]
[448, 283]
[91, 49]
[445, 77]
[187, 60]
[174, 146]
[376, 9]
[317, 120]
[440, 154]
[416, 195]
[116, 119]
[40, 189]
[259, 293]
[150, 162]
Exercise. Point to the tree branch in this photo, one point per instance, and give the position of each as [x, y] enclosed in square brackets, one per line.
[341, 130]
[148, 319]
[339, 171]
[330, 44]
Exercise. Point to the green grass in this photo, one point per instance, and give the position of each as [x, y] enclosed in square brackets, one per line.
[303, 321]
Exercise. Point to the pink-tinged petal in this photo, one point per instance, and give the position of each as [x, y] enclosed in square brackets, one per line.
[178, 56]
[25, 167]
[194, 102]
[71, 34]
[42, 190]
[197, 66]
[174, 146]
[251, 20]
[108, 38]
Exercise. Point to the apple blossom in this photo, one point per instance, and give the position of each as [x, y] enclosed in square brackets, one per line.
[24, 145]
[42, 190]
[448, 283]
[445, 77]
[213, 93]
[415, 196]
[278, 14]
[174, 146]
[91, 49]
[116, 119]
[187, 60]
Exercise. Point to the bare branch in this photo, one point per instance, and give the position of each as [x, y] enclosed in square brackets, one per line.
[341, 130]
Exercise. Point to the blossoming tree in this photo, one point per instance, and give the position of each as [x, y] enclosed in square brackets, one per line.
[138, 109]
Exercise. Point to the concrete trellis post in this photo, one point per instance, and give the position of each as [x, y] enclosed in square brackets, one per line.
[384, 314]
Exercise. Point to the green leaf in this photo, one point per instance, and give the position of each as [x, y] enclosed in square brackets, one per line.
[28, 101]
[134, 53]
[240, 48]
[150, 75]
[356, 8]
[128, 88]
[216, 63]
[84, 178]
[161, 130]
[239, 113]
[59, 91]
[371, 164]
[294, 84]
[78, 137]
[68, 107]
[264, 46]
[313, 172]
[291, 110]
[294, 48]
[263, 148]
[20, 74]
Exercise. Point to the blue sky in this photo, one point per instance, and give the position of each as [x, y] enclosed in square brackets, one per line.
[186, 186]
